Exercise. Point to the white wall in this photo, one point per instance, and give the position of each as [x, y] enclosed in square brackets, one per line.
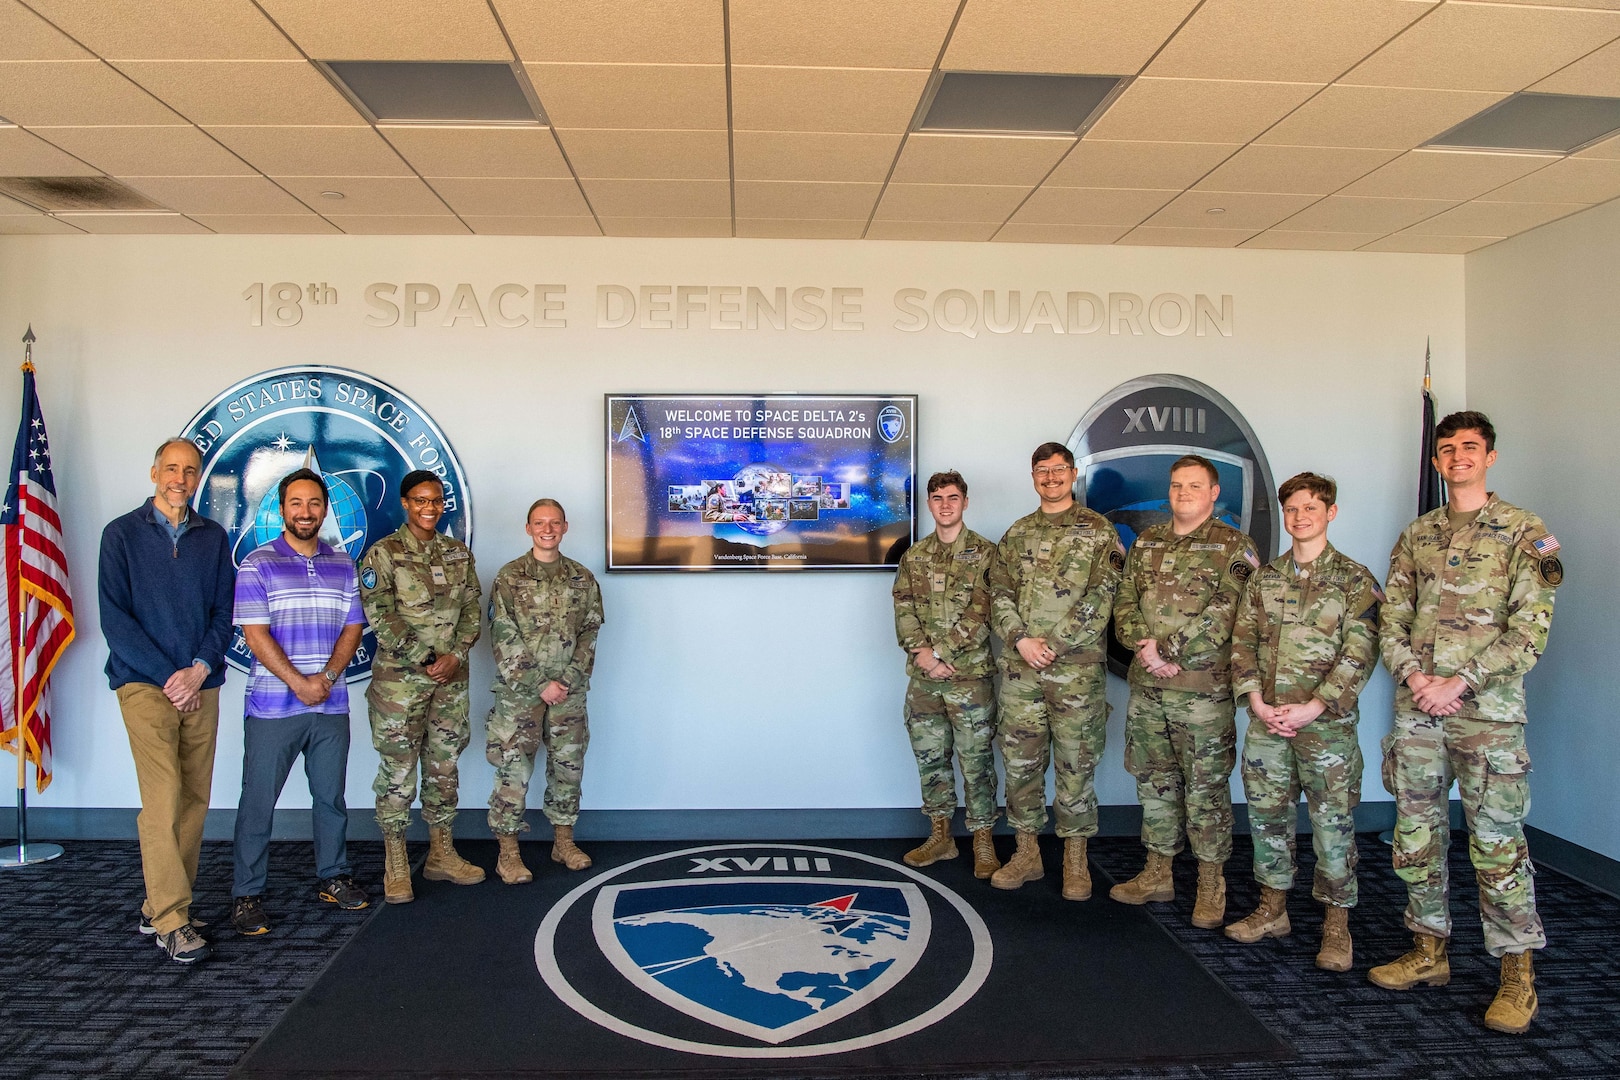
[137, 333]
[1544, 362]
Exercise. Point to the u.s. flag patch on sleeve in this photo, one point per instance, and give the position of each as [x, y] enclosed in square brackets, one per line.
[1547, 545]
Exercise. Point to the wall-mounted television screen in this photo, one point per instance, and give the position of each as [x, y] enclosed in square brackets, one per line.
[760, 481]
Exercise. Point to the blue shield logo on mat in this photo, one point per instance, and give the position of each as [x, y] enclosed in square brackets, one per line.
[771, 958]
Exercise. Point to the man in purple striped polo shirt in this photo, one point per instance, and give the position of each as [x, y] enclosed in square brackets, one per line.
[298, 604]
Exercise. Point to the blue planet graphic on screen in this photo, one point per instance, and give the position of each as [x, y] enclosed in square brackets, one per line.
[345, 523]
[756, 480]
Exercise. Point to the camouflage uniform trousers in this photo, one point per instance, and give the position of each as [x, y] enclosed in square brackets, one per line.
[961, 716]
[1322, 760]
[1492, 768]
[1181, 746]
[519, 725]
[414, 719]
[1059, 714]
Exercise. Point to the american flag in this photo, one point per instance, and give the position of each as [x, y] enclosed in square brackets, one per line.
[38, 608]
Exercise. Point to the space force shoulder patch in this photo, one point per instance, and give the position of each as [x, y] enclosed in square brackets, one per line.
[368, 578]
[1551, 571]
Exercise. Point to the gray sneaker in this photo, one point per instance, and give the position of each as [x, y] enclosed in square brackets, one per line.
[146, 929]
[183, 946]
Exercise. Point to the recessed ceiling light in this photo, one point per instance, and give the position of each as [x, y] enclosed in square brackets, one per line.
[1216, 210]
[1017, 104]
[1556, 123]
[401, 92]
[331, 194]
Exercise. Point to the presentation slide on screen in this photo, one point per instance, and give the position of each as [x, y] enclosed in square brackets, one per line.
[760, 481]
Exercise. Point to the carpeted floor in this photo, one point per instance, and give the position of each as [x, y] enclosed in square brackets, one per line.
[83, 995]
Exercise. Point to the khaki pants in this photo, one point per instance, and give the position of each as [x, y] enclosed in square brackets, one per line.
[174, 765]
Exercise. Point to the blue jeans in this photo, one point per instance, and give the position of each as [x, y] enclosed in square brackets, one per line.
[269, 747]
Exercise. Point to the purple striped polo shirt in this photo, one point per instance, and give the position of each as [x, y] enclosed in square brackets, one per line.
[306, 602]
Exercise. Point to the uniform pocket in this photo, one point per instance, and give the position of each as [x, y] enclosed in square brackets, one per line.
[1387, 765]
[1506, 794]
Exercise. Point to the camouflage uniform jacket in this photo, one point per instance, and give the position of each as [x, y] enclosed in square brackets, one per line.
[543, 622]
[1307, 633]
[942, 599]
[1183, 592]
[1055, 578]
[410, 610]
[1476, 603]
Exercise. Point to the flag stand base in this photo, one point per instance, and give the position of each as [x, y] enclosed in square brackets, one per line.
[29, 854]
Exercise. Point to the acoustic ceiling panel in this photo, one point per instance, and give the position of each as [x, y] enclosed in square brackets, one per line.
[801, 228]
[1227, 210]
[253, 224]
[659, 198]
[25, 154]
[1495, 218]
[76, 92]
[170, 29]
[648, 155]
[391, 29]
[147, 151]
[26, 36]
[1150, 236]
[398, 225]
[1032, 233]
[1062, 36]
[244, 91]
[1106, 164]
[531, 226]
[1432, 174]
[315, 151]
[1596, 73]
[641, 96]
[794, 155]
[932, 230]
[1198, 110]
[387, 196]
[666, 226]
[219, 194]
[512, 197]
[840, 33]
[783, 200]
[948, 202]
[977, 159]
[1306, 170]
[1343, 213]
[824, 99]
[1583, 180]
[645, 32]
[1431, 245]
[1282, 40]
[1091, 207]
[479, 151]
[1309, 241]
[1376, 117]
[127, 224]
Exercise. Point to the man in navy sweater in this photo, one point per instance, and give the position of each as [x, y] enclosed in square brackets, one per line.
[166, 583]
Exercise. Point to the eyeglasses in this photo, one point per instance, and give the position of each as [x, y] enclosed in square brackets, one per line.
[1044, 471]
[423, 503]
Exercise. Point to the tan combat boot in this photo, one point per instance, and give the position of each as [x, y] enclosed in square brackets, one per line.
[1335, 954]
[1076, 871]
[445, 864]
[396, 870]
[985, 862]
[1153, 884]
[510, 865]
[1426, 963]
[1515, 1005]
[939, 845]
[1025, 865]
[564, 851]
[1270, 919]
[1209, 911]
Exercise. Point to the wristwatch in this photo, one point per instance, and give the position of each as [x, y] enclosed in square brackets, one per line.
[332, 676]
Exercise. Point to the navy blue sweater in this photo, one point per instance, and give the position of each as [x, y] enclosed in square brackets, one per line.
[164, 604]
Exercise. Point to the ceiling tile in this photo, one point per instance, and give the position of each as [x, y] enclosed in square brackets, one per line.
[244, 91]
[824, 99]
[1608, 149]
[1091, 206]
[1282, 40]
[1461, 46]
[1021, 233]
[1308, 170]
[1077, 37]
[977, 159]
[531, 226]
[641, 96]
[1576, 179]
[398, 225]
[1145, 236]
[648, 155]
[266, 223]
[646, 32]
[125, 224]
[795, 155]
[392, 196]
[313, 151]
[949, 202]
[1441, 174]
[512, 197]
[23, 153]
[1310, 241]
[1479, 218]
[218, 194]
[1237, 210]
[932, 230]
[391, 29]
[801, 228]
[659, 199]
[1104, 164]
[75, 92]
[12, 207]
[666, 226]
[1602, 5]
[147, 151]
[1346, 214]
[479, 151]
[840, 33]
[1378, 117]
[1434, 245]
[1198, 110]
[784, 199]
[37, 224]
[26, 36]
[1595, 75]
[170, 29]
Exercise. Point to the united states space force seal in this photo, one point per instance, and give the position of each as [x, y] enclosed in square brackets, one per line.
[763, 950]
[360, 434]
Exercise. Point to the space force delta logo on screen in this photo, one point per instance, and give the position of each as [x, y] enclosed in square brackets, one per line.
[361, 435]
[763, 950]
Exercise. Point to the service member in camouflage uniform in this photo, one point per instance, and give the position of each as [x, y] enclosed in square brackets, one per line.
[1305, 643]
[1470, 602]
[545, 610]
[1175, 610]
[1052, 590]
[420, 591]
[942, 619]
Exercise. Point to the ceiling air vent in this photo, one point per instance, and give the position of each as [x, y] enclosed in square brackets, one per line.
[1540, 123]
[421, 92]
[1017, 104]
[76, 194]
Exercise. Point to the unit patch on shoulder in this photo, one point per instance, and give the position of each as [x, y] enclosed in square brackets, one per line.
[1551, 571]
[1116, 559]
[1240, 569]
[368, 578]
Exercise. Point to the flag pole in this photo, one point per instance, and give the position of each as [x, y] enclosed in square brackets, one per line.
[26, 854]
